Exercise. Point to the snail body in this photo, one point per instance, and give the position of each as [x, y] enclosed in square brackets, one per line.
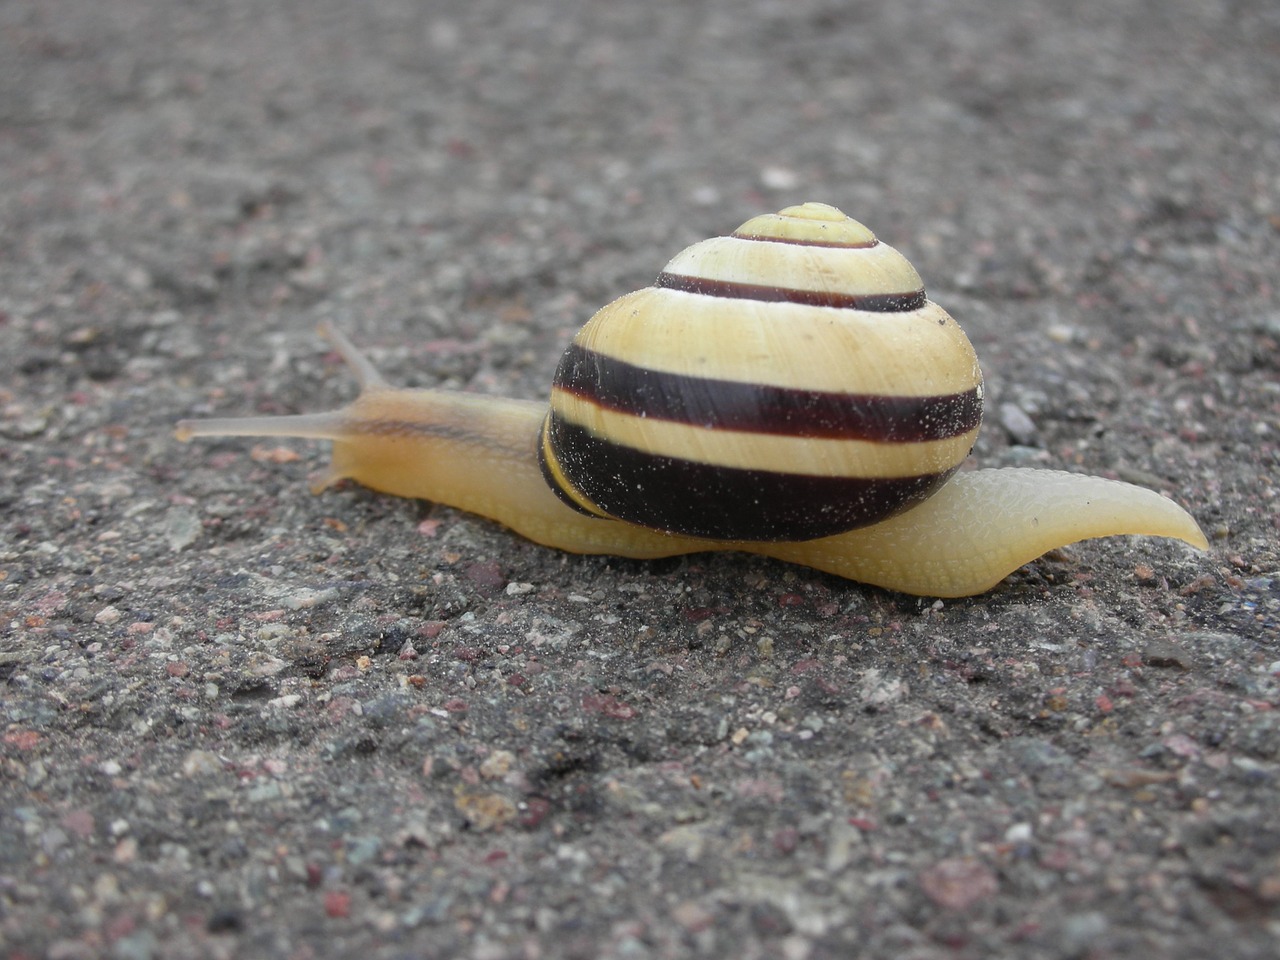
[787, 390]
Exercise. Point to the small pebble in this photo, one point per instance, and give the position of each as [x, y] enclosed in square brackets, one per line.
[1019, 425]
[107, 616]
[200, 763]
[181, 528]
[958, 883]
[779, 178]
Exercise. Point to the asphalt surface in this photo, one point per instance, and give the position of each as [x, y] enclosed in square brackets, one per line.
[239, 720]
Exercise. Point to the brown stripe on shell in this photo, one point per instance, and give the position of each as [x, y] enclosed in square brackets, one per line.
[872, 302]
[804, 242]
[758, 408]
[703, 500]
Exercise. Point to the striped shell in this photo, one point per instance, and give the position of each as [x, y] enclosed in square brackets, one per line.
[787, 382]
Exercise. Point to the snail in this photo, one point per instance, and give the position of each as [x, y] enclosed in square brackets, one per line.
[787, 390]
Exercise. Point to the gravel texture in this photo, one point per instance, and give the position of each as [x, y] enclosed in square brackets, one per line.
[238, 720]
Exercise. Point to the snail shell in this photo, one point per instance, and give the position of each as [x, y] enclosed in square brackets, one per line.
[787, 382]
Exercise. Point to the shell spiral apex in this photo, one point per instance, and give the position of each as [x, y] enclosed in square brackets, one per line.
[786, 382]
